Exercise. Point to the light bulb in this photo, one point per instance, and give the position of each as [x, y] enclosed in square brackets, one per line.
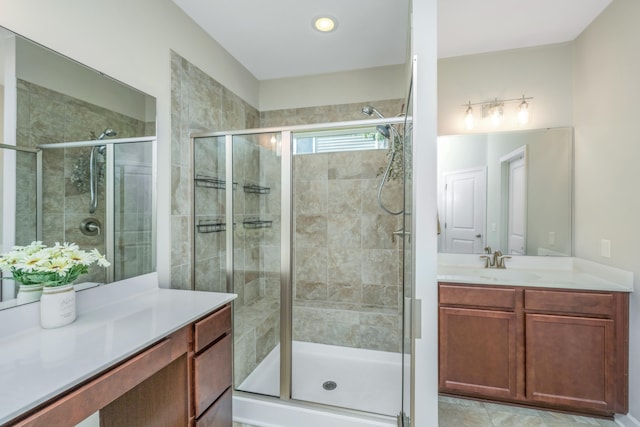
[325, 24]
[496, 116]
[468, 117]
[523, 112]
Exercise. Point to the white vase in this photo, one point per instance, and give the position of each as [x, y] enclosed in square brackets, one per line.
[57, 306]
[28, 293]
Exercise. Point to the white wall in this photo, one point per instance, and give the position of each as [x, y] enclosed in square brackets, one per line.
[348, 87]
[607, 151]
[543, 73]
[130, 41]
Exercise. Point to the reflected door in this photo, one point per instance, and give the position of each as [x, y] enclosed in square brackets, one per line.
[517, 226]
[464, 201]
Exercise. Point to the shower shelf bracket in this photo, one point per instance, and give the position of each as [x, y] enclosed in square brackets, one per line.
[256, 189]
[212, 182]
[256, 223]
[211, 226]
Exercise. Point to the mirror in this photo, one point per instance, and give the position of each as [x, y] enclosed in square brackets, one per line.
[77, 162]
[511, 191]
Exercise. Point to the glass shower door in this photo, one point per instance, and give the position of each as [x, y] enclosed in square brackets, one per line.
[257, 168]
[133, 193]
[407, 268]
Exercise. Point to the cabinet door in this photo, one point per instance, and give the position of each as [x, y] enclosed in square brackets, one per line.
[570, 361]
[478, 352]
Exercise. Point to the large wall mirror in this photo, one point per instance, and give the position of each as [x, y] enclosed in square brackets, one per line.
[77, 163]
[511, 191]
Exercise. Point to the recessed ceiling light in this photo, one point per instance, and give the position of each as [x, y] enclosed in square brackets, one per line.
[325, 24]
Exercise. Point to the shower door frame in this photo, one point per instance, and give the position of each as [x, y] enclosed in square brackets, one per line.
[286, 236]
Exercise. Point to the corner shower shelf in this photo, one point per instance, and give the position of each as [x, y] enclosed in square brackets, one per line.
[211, 226]
[212, 182]
[256, 189]
[256, 223]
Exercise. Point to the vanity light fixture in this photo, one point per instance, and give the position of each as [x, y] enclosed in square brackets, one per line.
[325, 24]
[496, 112]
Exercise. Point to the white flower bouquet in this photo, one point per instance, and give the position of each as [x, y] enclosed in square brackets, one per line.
[58, 265]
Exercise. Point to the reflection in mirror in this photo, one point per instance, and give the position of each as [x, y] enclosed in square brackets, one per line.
[57, 190]
[510, 191]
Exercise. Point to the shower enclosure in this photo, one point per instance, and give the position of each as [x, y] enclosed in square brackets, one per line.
[49, 194]
[289, 219]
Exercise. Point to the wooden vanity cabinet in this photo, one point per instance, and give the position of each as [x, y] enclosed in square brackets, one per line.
[212, 365]
[577, 349]
[182, 380]
[544, 347]
[478, 341]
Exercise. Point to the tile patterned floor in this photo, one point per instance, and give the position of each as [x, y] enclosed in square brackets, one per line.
[454, 412]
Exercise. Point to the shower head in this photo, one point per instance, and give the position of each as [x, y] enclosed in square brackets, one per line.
[384, 130]
[368, 110]
[108, 132]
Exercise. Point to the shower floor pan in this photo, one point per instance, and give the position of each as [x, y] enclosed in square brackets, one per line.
[353, 378]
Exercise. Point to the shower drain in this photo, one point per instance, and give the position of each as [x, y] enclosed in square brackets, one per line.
[329, 385]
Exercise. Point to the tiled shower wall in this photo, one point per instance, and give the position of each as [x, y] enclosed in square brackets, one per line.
[347, 264]
[201, 103]
[198, 102]
[46, 116]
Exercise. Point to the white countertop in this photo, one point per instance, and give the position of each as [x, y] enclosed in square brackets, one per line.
[114, 322]
[545, 272]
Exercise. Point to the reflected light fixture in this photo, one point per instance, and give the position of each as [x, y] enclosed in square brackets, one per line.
[325, 24]
[496, 115]
[468, 117]
[523, 112]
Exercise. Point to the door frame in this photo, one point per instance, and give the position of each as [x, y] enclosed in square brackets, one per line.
[505, 182]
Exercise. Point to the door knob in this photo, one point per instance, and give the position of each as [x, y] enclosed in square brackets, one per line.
[478, 235]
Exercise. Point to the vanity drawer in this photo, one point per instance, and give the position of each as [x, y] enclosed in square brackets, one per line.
[212, 327]
[477, 296]
[219, 414]
[212, 374]
[596, 304]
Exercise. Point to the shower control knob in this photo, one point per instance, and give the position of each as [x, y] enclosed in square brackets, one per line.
[90, 227]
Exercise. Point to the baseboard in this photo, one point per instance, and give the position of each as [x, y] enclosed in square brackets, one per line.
[627, 421]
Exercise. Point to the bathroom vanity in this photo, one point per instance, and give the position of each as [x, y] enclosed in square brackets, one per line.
[151, 357]
[549, 336]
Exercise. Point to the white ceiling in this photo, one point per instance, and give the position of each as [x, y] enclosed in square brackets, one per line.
[275, 39]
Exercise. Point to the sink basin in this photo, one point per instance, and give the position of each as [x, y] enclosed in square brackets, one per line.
[493, 274]
[504, 274]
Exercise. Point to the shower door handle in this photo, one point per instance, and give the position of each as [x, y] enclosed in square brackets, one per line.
[399, 232]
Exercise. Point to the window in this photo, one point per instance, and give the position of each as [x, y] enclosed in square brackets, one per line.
[338, 140]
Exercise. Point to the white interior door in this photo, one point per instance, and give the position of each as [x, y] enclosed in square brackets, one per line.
[517, 221]
[464, 205]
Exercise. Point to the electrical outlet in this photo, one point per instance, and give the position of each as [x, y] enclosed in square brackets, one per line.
[552, 238]
[605, 248]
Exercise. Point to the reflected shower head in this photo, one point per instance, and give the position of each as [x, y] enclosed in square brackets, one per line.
[108, 132]
[368, 110]
[384, 130]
